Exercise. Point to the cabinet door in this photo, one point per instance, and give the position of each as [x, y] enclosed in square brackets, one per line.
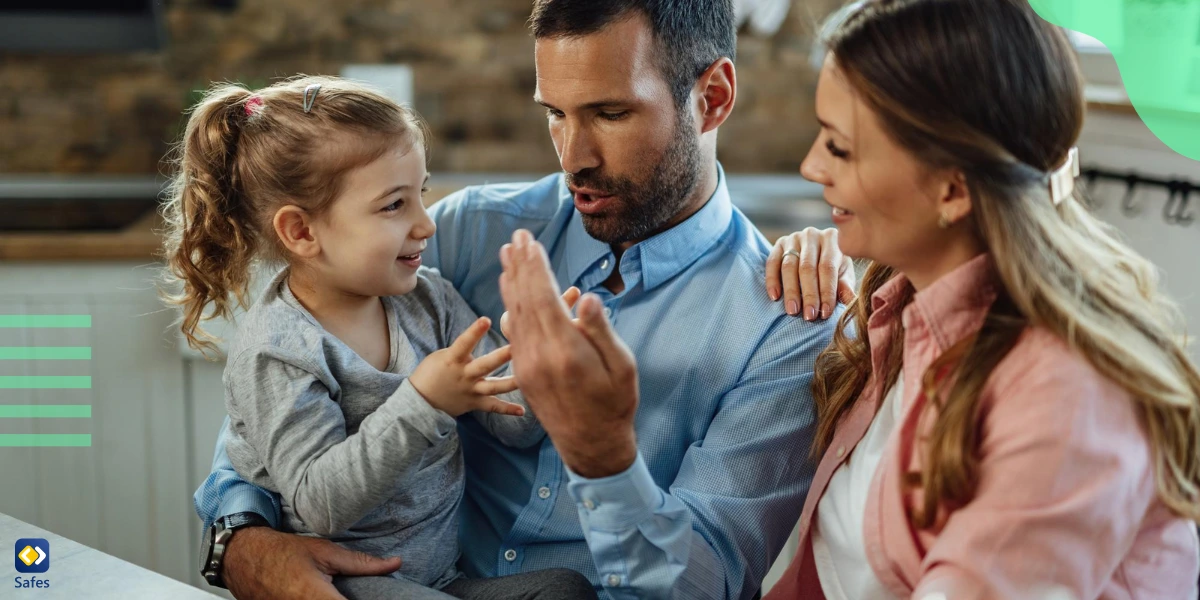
[127, 494]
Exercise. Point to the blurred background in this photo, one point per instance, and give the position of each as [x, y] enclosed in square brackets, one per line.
[92, 95]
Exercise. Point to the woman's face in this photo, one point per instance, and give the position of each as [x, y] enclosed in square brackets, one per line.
[885, 203]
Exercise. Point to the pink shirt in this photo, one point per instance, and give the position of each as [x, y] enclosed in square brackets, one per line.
[1066, 499]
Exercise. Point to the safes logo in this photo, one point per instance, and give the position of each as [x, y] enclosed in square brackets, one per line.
[31, 555]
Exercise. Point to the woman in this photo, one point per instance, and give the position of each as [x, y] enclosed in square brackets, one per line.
[1015, 417]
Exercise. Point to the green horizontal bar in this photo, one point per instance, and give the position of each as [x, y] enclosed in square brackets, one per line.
[45, 440]
[45, 353]
[10, 321]
[45, 382]
[50, 411]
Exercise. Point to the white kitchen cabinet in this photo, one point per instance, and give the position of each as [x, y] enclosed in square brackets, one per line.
[129, 494]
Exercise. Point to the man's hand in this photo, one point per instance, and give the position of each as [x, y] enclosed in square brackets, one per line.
[579, 378]
[261, 563]
[569, 298]
[807, 269]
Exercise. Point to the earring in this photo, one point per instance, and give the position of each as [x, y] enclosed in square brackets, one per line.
[943, 222]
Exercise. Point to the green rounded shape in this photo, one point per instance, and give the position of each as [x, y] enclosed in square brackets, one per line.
[1156, 44]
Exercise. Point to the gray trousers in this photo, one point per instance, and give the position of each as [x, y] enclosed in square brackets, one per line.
[550, 584]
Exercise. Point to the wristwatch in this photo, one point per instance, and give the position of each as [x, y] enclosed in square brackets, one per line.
[216, 538]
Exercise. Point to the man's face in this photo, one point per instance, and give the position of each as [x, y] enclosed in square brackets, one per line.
[631, 158]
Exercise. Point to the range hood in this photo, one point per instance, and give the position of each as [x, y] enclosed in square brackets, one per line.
[73, 26]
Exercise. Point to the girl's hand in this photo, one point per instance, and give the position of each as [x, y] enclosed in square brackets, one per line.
[569, 298]
[807, 269]
[454, 382]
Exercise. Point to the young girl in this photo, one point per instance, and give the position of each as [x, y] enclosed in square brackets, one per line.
[1016, 416]
[346, 376]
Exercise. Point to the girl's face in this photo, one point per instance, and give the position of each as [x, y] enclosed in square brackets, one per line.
[886, 204]
[372, 236]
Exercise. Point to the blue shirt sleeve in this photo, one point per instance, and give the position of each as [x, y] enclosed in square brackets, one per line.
[715, 532]
[224, 492]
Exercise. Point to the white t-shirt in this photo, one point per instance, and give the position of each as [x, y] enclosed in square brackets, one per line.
[839, 551]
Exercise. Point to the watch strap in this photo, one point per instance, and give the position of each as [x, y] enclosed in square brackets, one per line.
[244, 519]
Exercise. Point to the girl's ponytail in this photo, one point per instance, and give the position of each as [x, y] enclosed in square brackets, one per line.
[211, 236]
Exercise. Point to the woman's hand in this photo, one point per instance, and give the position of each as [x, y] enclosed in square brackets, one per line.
[455, 382]
[808, 270]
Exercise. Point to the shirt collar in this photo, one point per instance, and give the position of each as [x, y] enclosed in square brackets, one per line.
[950, 309]
[662, 256]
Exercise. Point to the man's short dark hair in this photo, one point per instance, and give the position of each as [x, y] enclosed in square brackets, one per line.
[691, 34]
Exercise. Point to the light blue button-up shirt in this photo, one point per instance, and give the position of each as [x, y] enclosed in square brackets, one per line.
[724, 424]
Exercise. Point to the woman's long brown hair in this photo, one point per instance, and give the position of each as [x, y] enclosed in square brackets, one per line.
[990, 89]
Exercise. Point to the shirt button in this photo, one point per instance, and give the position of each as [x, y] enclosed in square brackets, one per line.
[604, 265]
[614, 580]
[841, 451]
[588, 504]
[543, 493]
[510, 555]
[607, 312]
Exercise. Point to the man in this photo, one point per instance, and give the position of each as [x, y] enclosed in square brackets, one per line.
[680, 477]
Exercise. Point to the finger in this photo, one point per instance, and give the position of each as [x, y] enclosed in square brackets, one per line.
[488, 363]
[493, 404]
[495, 385]
[827, 271]
[788, 274]
[467, 340]
[505, 256]
[774, 264]
[571, 296]
[333, 559]
[613, 352]
[520, 275]
[538, 292]
[810, 254]
[504, 324]
[508, 294]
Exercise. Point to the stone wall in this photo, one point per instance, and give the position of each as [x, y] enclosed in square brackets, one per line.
[473, 71]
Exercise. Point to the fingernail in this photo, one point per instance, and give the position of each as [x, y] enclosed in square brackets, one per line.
[826, 311]
[811, 313]
[793, 307]
[773, 293]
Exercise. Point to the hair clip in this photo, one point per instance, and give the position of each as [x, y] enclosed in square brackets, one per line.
[310, 96]
[251, 104]
[1062, 179]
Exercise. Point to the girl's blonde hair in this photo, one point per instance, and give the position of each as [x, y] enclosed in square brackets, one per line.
[243, 156]
[989, 88]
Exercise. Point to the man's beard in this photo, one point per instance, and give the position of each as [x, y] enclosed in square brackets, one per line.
[646, 204]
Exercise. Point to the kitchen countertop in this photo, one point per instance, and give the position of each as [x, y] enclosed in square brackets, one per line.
[77, 571]
[778, 204]
[138, 241]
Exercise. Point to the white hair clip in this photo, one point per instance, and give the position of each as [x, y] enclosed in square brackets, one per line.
[1062, 179]
[310, 96]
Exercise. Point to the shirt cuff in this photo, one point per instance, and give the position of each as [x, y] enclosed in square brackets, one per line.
[408, 405]
[248, 498]
[616, 502]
